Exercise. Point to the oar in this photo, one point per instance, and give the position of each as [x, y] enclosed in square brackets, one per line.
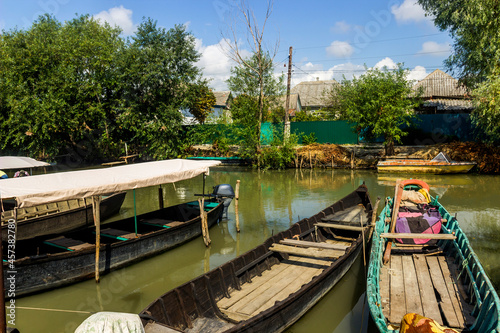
[398, 193]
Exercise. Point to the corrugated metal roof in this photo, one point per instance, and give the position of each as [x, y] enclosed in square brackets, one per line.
[440, 84]
[222, 98]
[312, 92]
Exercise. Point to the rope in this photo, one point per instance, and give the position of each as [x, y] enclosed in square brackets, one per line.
[53, 310]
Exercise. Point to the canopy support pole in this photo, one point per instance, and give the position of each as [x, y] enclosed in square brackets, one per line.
[160, 197]
[204, 177]
[96, 208]
[135, 214]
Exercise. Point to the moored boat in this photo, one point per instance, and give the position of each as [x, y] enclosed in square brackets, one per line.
[438, 165]
[423, 270]
[59, 217]
[271, 286]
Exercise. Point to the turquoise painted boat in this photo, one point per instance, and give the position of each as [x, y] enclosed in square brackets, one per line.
[433, 277]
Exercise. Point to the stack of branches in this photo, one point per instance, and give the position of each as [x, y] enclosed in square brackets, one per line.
[322, 156]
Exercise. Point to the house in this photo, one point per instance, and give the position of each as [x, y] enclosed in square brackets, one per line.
[294, 106]
[443, 94]
[312, 93]
[223, 100]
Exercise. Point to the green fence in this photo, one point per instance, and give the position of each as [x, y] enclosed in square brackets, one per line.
[339, 132]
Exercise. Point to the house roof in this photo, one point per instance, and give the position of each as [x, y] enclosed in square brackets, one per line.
[295, 102]
[312, 92]
[222, 98]
[440, 84]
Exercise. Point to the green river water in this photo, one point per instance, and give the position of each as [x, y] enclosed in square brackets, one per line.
[269, 202]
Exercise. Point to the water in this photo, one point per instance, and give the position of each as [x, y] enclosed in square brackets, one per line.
[269, 202]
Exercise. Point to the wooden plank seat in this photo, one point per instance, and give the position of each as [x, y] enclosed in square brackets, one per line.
[352, 216]
[207, 205]
[68, 244]
[118, 234]
[307, 252]
[164, 223]
[418, 236]
[339, 226]
[301, 243]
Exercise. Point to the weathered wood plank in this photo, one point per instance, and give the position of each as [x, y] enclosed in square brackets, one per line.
[429, 301]
[350, 215]
[398, 303]
[339, 242]
[412, 293]
[384, 290]
[417, 236]
[308, 252]
[247, 288]
[302, 243]
[235, 315]
[454, 294]
[440, 286]
[339, 226]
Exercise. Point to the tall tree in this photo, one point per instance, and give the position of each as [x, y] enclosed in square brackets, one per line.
[487, 112]
[55, 83]
[200, 101]
[262, 58]
[379, 102]
[157, 70]
[475, 27]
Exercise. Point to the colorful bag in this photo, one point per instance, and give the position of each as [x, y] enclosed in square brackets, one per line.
[423, 219]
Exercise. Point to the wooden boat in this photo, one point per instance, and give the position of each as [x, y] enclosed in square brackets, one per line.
[59, 217]
[44, 263]
[442, 282]
[438, 165]
[271, 286]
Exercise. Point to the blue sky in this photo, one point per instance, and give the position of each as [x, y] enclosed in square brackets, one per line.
[329, 38]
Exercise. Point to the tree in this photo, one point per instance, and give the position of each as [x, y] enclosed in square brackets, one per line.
[56, 83]
[254, 93]
[379, 102]
[262, 60]
[157, 71]
[487, 112]
[475, 27]
[200, 101]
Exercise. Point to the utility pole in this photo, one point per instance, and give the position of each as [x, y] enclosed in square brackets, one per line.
[287, 104]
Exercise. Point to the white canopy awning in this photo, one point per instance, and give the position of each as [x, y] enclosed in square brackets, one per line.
[20, 162]
[35, 190]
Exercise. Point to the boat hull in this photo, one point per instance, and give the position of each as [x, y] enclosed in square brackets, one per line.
[425, 168]
[480, 305]
[34, 273]
[64, 220]
[204, 303]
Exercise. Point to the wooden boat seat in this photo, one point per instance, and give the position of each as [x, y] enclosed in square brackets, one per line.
[68, 244]
[339, 226]
[118, 234]
[207, 206]
[418, 236]
[164, 223]
[307, 252]
[350, 216]
[301, 243]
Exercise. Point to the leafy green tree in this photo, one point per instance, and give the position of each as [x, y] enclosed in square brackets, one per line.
[157, 70]
[487, 112]
[56, 83]
[200, 101]
[379, 102]
[253, 96]
[475, 27]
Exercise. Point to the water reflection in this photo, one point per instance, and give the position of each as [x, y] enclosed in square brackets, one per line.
[270, 202]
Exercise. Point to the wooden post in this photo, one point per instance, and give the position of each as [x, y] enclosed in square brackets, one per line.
[160, 197]
[237, 199]
[352, 159]
[96, 208]
[310, 160]
[395, 209]
[204, 224]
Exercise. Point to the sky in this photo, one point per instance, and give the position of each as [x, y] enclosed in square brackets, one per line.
[331, 39]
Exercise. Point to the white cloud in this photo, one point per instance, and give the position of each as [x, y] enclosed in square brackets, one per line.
[215, 63]
[341, 27]
[386, 62]
[340, 49]
[120, 16]
[409, 11]
[416, 74]
[435, 49]
[313, 72]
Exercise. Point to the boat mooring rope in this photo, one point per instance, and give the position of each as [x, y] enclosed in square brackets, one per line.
[53, 310]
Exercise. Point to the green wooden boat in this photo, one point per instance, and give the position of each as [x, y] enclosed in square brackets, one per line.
[441, 280]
